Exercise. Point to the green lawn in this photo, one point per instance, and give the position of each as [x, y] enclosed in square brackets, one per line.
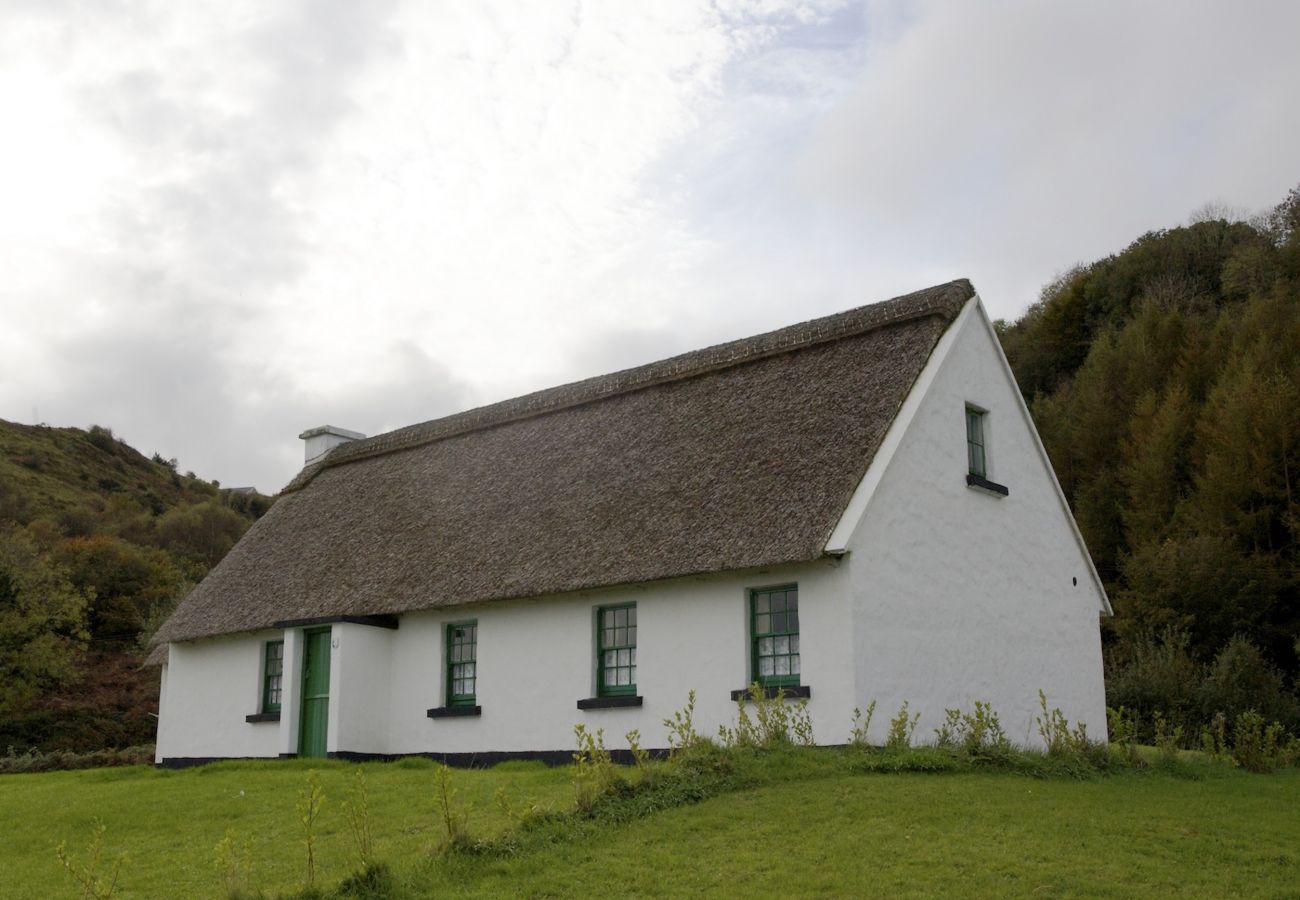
[827, 832]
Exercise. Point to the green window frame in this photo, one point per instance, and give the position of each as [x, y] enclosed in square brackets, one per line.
[774, 630]
[975, 450]
[616, 650]
[462, 663]
[272, 676]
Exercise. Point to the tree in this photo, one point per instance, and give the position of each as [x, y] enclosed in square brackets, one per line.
[42, 623]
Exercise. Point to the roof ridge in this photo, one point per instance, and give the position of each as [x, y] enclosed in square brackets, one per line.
[943, 300]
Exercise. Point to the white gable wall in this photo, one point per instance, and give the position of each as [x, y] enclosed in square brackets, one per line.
[960, 595]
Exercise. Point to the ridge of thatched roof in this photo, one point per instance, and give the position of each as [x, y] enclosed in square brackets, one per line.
[736, 456]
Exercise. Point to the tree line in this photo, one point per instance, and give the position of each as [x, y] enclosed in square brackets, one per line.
[1165, 382]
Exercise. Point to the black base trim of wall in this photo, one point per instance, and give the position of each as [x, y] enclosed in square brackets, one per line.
[263, 717]
[482, 760]
[790, 692]
[452, 712]
[984, 484]
[609, 702]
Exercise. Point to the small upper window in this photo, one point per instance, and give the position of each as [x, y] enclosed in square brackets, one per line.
[975, 450]
[616, 659]
[272, 676]
[462, 663]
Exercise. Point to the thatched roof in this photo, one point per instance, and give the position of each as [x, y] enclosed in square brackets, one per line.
[732, 457]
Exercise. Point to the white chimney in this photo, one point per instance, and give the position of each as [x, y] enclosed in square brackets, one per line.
[325, 438]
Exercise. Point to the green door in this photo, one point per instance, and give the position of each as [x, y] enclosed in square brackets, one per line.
[315, 692]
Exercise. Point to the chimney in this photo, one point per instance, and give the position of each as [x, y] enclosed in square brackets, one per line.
[325, 438]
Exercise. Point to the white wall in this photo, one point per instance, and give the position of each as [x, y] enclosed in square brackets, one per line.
[210, 687]
[360, 686]
[961, 596]
[536, 659]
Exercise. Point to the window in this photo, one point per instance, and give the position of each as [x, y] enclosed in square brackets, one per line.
[975, 442]
[462, 655]
[774, 623]
[616, 651]
[272, 676]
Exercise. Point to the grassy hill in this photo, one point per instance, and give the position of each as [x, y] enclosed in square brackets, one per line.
[97, 544]
[798, 822]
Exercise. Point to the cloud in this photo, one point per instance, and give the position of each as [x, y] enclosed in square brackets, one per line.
[226, 223]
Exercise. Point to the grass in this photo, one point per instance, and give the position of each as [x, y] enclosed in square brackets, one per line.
[169, 822]
[794, 822]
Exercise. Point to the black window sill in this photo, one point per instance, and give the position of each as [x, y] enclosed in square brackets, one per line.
[795, 691]
[452, 712]
[609, 702]
[263, 717]
[984, 484]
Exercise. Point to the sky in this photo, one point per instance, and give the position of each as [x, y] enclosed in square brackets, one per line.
[224, 223]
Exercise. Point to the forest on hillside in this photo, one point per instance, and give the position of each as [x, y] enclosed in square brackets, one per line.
[97, 545]
[1165, 382]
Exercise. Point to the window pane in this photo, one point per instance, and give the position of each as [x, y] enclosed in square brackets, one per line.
[783, 665]
[794, 665]
[761, 603]
[765, 665]
[792, 621]
[783, 645]
[794, 643]
[631, 615]
[765, 646]
[778, 622]
[763, 624]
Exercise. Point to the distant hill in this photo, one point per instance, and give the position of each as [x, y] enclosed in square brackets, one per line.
[97, 544]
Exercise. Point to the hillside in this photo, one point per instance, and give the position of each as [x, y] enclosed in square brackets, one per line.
[97, 544]
[1165, 381]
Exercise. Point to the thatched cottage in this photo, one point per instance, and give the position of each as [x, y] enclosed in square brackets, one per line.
[853, 508]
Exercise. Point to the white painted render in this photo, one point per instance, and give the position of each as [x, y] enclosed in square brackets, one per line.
[210, 686]
[960, 595]
[536, 659]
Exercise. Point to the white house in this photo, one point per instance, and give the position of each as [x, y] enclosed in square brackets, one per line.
[853, 508]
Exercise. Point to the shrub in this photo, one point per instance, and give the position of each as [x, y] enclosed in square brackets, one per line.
[310, 799]
[1156, 673]
[593, 769]
[455, 818]
[972, 733]
[1123, 727]
[861, 726]
[681, 727]
[93, 885]
[1257, 747]
[901, 728]
[1241, 679]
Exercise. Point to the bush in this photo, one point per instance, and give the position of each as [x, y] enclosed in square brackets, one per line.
[1241, 679]
[1156, 673]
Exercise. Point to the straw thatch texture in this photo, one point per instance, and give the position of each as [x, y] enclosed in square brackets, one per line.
[733, 457]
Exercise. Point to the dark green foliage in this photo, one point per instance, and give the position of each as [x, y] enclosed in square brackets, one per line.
[1159, 675]
[1165, 381]
[129, 537]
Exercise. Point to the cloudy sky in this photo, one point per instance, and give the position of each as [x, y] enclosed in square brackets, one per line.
[222, 223]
